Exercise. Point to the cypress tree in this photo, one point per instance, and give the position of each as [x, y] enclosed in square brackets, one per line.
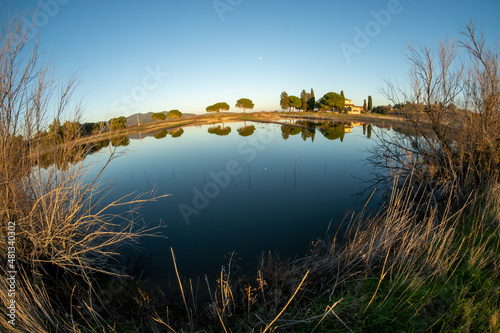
[311, 102]
[304, 97]
[284, 101]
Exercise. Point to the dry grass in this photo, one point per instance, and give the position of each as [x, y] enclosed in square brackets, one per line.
[65, 237]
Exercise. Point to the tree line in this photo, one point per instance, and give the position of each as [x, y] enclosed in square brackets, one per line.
[331, 101]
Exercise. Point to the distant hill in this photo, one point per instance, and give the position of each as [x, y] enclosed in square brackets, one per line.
[145, 118]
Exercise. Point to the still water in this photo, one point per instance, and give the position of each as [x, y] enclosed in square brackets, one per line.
[243, 187]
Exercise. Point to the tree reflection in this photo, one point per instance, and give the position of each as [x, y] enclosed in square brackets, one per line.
[246, 131]
[308, 133]
[120, 140]
[333, 131]
[176, 133]
[330, 130]
[286, 131]
[160, 135]
[66, 155]
[218, 130]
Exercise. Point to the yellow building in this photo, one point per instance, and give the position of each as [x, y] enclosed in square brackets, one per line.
[356, 109]
[350, 108]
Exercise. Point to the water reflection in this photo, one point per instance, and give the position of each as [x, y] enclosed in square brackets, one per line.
[246, 130]
[333, 131]
[62, 158]
[218, 130]
[306, 128]
[120, 141]
[175, 133]
[67, 155]
[160, 135]
[286, 131]
[262, 187]
[330, 130]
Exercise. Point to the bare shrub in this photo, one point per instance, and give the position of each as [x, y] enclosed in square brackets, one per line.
[65, 236]
[452, 102]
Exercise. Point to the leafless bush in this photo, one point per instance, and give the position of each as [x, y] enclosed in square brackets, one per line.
[64, 235]
[452, 101]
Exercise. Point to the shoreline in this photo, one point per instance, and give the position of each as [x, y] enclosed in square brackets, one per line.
[261, 117]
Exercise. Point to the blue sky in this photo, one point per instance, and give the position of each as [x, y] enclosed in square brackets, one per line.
[141, 56]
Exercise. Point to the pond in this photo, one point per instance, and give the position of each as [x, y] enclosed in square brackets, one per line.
[243, 187]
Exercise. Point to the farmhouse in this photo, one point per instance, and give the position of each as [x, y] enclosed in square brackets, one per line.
[350, 108]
